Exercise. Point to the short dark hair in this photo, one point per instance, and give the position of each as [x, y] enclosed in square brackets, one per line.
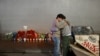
[61, 16]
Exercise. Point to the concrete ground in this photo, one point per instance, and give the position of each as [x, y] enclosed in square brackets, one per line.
[14, 48]
[25, 54]
[41, 48]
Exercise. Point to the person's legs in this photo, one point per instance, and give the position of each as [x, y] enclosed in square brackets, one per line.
[65, 43]
[56, 46]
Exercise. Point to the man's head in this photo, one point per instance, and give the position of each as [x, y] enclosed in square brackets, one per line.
[60, 17]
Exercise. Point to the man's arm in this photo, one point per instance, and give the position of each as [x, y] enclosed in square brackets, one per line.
[54, 29]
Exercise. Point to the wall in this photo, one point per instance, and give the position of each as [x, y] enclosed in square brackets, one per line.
[39, 14]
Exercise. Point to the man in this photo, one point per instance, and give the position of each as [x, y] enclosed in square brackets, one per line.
[56, 38]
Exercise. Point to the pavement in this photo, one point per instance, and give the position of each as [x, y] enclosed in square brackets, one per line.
[41, 48]
[25, 54]
[15, 48]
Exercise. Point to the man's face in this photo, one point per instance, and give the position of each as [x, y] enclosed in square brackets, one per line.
[59, 19]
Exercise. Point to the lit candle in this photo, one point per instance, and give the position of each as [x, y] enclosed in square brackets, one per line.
[25, 27]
